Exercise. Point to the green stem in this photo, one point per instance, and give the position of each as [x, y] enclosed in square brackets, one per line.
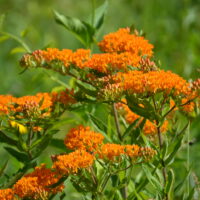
[188, 158]
[117, 122]
[18, 40]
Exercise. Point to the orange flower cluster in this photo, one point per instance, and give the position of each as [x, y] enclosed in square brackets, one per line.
[72, 162]
[6, 194]
[124, 41]
[66, 56]
[114, 152]
[34, 104]
[152, 82]
[109, 62]
[25, 103]
[149, 127]
[35, 185]
[83, 138]
[122, 48]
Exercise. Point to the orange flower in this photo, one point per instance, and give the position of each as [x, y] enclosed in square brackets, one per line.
[111, 151]
[189, 107]
[36, 184]
[66, 57]
[108, 62]
[132, 150]
[114, 152]
[152, 82]
[124, 41]
[72, 162]
[6, 194]
[27, 187]
[83, 138]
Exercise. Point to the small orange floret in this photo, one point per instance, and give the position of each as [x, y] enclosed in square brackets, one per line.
[6, 194]
[83, 138]
[72, 162]
[124, 41]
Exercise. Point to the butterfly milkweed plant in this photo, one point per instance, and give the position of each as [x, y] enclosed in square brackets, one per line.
[135, 119]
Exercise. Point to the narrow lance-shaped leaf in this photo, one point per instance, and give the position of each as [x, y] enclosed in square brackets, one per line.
[82, 31]
[100, 15]
[170, 185]
[21, 157]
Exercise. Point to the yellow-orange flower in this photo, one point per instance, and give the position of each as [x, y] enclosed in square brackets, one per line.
[83, 138]
[6, 194]
[124, 41]
[72, 162]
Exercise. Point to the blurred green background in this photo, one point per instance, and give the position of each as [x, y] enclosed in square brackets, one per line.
[172, 26]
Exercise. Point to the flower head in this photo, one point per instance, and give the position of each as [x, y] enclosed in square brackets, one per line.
[83, 138]
[73, 162]
[124, 41]
[6, 194]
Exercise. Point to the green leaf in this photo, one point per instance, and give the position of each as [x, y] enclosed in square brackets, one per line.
[3, 38]
[88, 89]
[82, 30]
[18, 50]
[191, 194]
[154, 182]
[100, 125]
[58, 143]
[174, 151]
[41, 144]
[3, 168]
[170, 184]
[131, 127]
[100, 15]
[5, 139]
[21, 157]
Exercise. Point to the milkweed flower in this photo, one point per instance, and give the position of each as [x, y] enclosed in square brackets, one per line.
[6, 194]
[112, 62]
[124, 41]
[73, 162]
[138, 82]
[83, 138]
[111, 151]
[114, 152]
[37, 183]
[55, 59]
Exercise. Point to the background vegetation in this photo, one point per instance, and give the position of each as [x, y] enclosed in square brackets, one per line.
[172, 26]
